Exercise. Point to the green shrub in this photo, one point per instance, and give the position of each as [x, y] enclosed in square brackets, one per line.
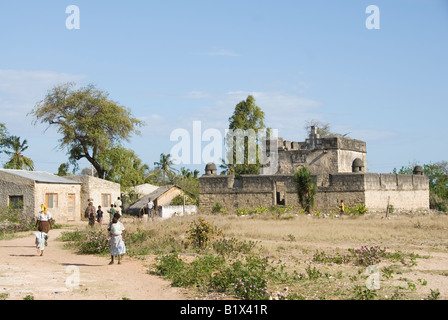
[201, 233]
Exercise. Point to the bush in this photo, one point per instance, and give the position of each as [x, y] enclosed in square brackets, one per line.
[217, 208]
[368, 256]
[252, 288]
[96, 242]
[201, 233]
[13, 220]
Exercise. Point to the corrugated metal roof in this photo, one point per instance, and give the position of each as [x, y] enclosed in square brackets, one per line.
[40, 176]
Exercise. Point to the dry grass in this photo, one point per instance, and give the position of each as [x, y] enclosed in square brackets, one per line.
[295, 239]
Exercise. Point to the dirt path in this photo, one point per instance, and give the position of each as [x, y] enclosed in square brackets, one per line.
[61, 274]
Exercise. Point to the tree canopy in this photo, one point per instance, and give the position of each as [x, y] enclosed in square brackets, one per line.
[89, 122]
[246, 116]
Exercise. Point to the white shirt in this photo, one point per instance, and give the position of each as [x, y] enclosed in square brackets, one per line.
[42, 216]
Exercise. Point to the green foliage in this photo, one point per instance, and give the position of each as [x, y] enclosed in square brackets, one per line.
[365, 256]
[251, 288]
[201, 233]
[306, 189]
[434, 295]
[217, 208]
[437, 174]
[165, 164]
[122, 165]
[364, 294]
[15, 148]
[14, 220]
[88, 121]
[247, 116]
[232, 246]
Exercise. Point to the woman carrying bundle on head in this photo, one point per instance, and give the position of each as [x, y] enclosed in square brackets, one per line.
[44, 219]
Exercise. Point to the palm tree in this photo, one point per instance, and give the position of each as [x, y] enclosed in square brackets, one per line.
[165, 164]
[15, 149]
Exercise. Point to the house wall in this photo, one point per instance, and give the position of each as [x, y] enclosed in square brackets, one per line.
[61, 212]
[94, 188]
[165, 199]
[13, 185]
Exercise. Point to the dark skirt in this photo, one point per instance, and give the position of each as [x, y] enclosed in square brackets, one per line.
[45, 226]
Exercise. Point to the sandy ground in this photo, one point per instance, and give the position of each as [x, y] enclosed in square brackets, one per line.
[61, 274]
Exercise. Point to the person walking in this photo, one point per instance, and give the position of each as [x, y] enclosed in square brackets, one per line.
[150, 207]
[41, 241]
[44, 219]
[90, 213]
[117, 245]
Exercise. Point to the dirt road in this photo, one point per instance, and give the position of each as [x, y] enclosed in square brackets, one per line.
[61, 274]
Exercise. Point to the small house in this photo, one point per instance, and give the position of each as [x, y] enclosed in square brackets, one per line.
[27, 190]
[65, 197]
[102, 192]
[161, 197]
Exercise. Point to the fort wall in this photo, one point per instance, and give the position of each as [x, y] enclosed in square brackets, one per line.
[375, 191]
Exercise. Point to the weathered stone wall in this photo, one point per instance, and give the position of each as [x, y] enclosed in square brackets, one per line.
[13, 185]
[325, 156]
[407, 192]
[94, 188]
[404, 192]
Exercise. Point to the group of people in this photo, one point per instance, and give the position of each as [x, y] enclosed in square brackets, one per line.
[96, 214]
[115, 228]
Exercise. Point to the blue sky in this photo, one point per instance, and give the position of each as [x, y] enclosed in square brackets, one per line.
[175, 62]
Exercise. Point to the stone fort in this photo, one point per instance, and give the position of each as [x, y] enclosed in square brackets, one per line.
[338, 168]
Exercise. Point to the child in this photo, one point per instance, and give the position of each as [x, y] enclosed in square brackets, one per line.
[342, 208]
[99, 215]
[117, 246]
[41, 241]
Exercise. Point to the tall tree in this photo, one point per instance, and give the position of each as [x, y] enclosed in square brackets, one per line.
[306, 189]
[15, 148]
[246, 117]
[166, 165]
[88, 121]
[123, 166]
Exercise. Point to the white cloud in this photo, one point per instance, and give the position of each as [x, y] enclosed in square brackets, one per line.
[20, 90]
